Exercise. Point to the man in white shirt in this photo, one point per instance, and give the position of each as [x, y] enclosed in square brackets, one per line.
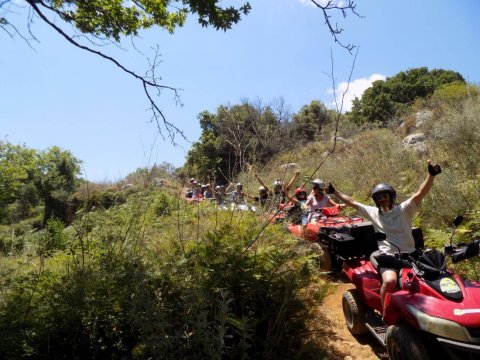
[395, 221]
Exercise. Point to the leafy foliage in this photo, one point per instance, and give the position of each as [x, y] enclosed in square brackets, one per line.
[56, 181]
[28, 178]
[17, 168]
[114, 18]
[388, 99]
[121, 289]
[307, 125]
[233, 138]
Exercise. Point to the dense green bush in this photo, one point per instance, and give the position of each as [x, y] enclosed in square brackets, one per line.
[389, 99]
[124, 288]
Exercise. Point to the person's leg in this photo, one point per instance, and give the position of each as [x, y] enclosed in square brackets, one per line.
[304, 220]
[389, 282]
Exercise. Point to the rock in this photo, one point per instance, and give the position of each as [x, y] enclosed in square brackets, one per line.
[407, 128]
[288, 166]
[158, 181]
[414, 139]
[416, 142]
[422, 117]
[342, 140]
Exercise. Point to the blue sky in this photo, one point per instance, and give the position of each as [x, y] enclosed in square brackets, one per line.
[59, 95]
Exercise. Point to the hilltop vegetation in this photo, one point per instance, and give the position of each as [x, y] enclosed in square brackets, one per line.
[97, 271]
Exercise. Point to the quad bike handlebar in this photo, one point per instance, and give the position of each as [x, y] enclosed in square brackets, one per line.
[430, 259]
[463, 251]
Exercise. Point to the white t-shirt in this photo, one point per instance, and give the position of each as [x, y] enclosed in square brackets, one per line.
[396, 224]
[315, 205]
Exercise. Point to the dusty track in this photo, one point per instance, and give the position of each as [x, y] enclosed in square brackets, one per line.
[334, 336]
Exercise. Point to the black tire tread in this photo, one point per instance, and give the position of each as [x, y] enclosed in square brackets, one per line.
[352, 299]
[410, 345]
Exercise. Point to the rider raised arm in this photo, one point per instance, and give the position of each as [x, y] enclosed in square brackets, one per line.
[261, 182]
[318, 199]
[395, 221]
[292, 181]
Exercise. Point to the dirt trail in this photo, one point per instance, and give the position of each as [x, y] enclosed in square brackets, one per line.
[335, 337]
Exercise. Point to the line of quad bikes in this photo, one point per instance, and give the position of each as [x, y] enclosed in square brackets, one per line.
[433, 314]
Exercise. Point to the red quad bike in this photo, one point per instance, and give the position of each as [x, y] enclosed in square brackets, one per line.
[194, 199]
[434, 314]
[320, 233]
[331, 225]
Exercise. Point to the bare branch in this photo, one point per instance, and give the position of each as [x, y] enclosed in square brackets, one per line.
[344, 9]
[320, 164]
[149, 82]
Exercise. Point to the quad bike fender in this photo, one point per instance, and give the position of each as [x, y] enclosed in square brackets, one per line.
[396, 312]
[296, 230]
[429, 315]
[362, 274]
[464, 311]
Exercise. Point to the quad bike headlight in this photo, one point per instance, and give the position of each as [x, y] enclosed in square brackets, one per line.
[441, 327]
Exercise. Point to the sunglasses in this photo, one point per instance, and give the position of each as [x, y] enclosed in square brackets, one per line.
[381, 196]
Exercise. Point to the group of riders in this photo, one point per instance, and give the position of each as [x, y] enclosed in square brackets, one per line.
[395, 221]
[301, 207]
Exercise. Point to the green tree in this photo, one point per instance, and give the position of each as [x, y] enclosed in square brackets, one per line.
[56, 180]
[17, 166]
[307, 125]
[233, 138]
[388, 99]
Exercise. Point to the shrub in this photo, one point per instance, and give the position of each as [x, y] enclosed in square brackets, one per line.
[123, 292]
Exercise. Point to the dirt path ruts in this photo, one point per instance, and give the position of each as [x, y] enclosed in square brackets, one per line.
[334, 335]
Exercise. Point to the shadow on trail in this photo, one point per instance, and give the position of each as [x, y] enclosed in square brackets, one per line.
[332, 334]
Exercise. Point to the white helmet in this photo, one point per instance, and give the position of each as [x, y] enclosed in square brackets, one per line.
[318, 183]
[278, 182]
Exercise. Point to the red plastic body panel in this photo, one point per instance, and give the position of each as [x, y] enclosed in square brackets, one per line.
[416, 292]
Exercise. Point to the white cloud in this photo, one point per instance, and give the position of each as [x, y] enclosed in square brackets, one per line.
[355, 89]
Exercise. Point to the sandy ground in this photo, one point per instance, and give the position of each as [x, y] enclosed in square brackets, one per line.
[335, 337]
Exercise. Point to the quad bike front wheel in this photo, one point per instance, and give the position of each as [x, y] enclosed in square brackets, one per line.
[354, 312]
[402, 344]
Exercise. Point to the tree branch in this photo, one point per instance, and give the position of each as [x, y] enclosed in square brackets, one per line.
[148, 83]
[344, 9]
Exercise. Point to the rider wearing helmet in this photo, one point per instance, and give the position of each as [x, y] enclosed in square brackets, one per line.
[238, 195]
[278, 195]
[220, 194]
[297, 213]
[208, 192]
[278, 192]
[195, 188]
[395, 221]
[263, 196]
[377, 197]
[318, 200]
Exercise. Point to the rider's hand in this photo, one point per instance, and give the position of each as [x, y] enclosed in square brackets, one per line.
[330, 189]
[435, 169]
